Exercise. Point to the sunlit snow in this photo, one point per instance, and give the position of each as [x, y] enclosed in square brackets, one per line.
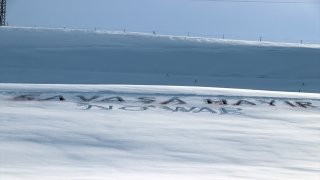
[162, 126]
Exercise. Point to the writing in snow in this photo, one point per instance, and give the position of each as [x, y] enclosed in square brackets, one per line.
[151, 103]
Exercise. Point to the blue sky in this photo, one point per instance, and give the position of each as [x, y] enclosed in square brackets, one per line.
[236, 20]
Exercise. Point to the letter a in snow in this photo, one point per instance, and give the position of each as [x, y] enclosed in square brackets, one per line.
[205, 109]
[174, 99]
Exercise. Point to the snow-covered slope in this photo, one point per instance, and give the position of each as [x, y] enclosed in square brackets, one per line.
[142, 135]
[59, 56]
[55, 130]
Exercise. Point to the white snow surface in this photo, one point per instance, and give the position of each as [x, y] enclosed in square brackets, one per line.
[76, 139]
[57, 122]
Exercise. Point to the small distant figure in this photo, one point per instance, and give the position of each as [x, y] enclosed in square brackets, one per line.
[167, 75]
[303, 84]
[195, 80]
[154, 33]
[299, 90]
[124, 30]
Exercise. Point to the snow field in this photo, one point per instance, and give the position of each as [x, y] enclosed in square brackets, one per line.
[56, 139]
[57, 122]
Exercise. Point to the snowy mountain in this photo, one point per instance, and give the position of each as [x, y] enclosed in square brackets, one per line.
[54, 128]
